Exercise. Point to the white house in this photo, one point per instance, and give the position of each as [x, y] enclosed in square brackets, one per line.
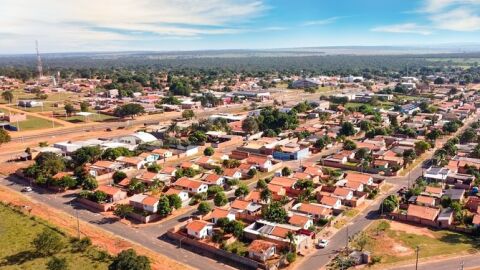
[199, 229]
[181, 193]
[192, 186]
[144, 202]
[261, 250]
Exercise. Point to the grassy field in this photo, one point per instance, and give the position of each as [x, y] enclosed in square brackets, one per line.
[17, 232]
[33, 123]
[98, 117]
[399, 241]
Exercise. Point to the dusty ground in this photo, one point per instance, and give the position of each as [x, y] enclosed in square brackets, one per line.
[392, 247]
[409, 228]
[101, 238]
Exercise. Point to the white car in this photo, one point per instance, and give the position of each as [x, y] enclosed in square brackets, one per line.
[322, 243]
[27, 189]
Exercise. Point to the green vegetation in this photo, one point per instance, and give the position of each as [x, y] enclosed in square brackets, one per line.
[430, 243]
[18, 249]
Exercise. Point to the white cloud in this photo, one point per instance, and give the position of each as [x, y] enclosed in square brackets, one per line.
[83, 23]
[450, 15]
[406, 28]
[322, 22]
[460, 19]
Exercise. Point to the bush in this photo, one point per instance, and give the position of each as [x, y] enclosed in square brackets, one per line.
[209, 151]
[128, 260]
[291, 257]
[57, 264]
[80, 245]
[48, 242]
[220, 199]
[204, 208]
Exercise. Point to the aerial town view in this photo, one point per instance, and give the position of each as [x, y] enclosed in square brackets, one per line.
[240, 134]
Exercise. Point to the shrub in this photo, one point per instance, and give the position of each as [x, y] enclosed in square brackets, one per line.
[291, 257]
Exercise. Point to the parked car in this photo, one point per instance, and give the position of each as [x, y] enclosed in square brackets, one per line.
[27, 189]
[322, 243]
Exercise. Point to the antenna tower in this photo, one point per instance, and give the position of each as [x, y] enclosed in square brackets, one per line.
[39, 61]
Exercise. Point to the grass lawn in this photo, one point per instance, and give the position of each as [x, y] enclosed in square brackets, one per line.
[238, 247]
[17, 232]
[398, 242]
[97, 117]
[33, 123]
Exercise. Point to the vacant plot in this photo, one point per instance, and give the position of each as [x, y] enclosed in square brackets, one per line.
[33, 123]
[397, 242]
[97, 117]
[17, 232]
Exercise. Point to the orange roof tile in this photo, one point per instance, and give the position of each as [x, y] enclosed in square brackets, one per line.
[280, 232]
[196, 225]
[358, 177]
[283, 181]
[149, 200]
[422, 212]
[260, 246]
[329, 200]
[298, 220]
[109, 190]
[239, 204]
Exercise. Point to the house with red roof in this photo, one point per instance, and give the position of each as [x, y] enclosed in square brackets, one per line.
[144, 202]
[113, 194]
[199, 229]
[261, 250]
[192, 186]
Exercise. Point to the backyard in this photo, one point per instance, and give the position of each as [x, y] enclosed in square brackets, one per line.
[18, 252]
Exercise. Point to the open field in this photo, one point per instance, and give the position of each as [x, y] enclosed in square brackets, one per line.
[97, 117]
[17, 251]
[33, 123]
[398, 242]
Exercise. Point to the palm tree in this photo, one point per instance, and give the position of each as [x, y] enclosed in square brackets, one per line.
[291, 240]
[174, 128]
[266, 195]
[439, 156]
[8, 96]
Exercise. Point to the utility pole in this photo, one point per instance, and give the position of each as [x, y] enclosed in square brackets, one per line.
[463, 265]
[416, 262]
[346, 246]
[78, 225]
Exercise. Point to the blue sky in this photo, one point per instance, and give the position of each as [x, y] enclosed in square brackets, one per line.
[115, 25]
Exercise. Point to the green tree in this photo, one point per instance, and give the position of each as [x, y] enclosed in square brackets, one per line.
[421, 147]
[65, 182]
[69, 109]
[89, 183]
[129, 260]
[175, 201]
[84, 106]
[234, 227]
[197, 137]
[114, 153]
[252, 172]
[242, 190]
[390, 203]
[86, 154]
[154, 168]
[180, 87]
[349, 145]
[56, 263]
[204, 208]
[250, 125]
[4, 136]
[164, 207]
[118, 176]
[48, 242]
[7, 96]
[347, 129]
[266, 195]
[220, 199]
[122, 210]
[50, 163]
[188, 114]
[129, 110]
[261, 184]
[286, 171]
[213, 190]
[209, 151]
[275, 212]
[409, 156]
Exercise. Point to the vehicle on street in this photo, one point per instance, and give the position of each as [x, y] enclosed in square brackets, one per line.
[27, 189]
[322, 243]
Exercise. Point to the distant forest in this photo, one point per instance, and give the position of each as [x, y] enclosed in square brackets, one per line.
[85, 64]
